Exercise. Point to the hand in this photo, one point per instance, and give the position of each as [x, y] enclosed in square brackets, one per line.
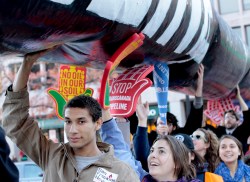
[238, 92]
[31, 58]
[198, 91]
[106, 115]
[142, 111]
[22, 75]
[243, 104]
[162, 129]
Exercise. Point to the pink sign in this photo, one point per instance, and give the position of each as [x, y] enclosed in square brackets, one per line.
[213, 111]
[216, 108]
[126, 89]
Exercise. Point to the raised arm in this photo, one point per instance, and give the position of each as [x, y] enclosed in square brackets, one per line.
[242, 103]
[19, 126]
[140, 138]
[243, 131]
[111, 138]
[142, 111]
[194, 119]
[198, 101]
[22, 75]
[111, 134]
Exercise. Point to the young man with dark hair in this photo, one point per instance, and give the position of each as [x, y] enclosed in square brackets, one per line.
[229, 117]
[82, 159]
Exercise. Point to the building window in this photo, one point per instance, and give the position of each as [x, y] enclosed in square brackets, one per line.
[248, 34]
[246, 4]
[228, 6]
[212, 1]
[237, 30]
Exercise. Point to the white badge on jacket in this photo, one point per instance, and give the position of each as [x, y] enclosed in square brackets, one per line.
[102, 175]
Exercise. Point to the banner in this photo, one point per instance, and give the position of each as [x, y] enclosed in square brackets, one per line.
[216, 109]
[161, 79]
[126, 89]
[71, 83]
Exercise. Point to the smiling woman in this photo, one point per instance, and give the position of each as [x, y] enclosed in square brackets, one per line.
[169, 161]
[232, 168]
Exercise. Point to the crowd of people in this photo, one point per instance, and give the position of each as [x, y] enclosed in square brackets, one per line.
[192, 153]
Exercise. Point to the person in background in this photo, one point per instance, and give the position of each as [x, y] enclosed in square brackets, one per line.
[231, 167]
[194, 157]
[196, 113]
[206, 144]
[199, 163]
[232, 125]
[82, 159]
[8, 170]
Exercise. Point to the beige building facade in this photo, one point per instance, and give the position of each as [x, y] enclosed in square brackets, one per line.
[237, 14]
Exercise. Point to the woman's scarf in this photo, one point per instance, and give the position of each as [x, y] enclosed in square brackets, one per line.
[243, 171]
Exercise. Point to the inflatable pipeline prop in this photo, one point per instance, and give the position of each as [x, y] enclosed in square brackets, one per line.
[181, 33]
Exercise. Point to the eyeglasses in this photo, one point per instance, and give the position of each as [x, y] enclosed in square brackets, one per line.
[198, 137]
[230, 117]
